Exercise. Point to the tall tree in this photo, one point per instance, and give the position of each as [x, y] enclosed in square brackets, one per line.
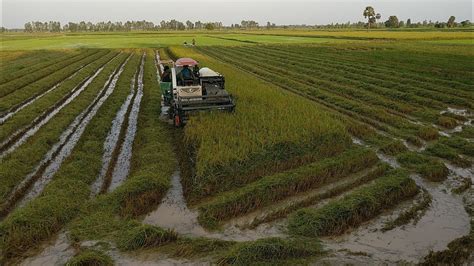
[369, 13]
[392, 22]
[409, 22]
[451, 21]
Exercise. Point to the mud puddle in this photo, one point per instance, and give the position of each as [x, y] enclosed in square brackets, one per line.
[122, 166]
[52, 253]
[45, 171]
[19, 137]
[12, 111]
[443, 222]
[173, 213]
[459, 128]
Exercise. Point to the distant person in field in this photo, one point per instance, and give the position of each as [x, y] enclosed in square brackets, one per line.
[186, 74]
[166, 75]
[194, 42]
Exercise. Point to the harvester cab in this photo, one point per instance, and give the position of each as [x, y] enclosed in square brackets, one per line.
[192, 90]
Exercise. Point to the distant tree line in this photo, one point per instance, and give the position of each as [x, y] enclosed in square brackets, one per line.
[143, 25]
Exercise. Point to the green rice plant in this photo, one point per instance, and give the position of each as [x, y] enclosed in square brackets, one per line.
[271, 188]
[17, 84]
[192, 247]
[393, 148]
[428, 133]
[462, 145]
[37, 63]
[62, 198]
[22, 161]
[428, 167]
[271, 251]
[145, 236]
[446, 152]
[231, 150]
[467, 132]
[414, 141]
[333, 191]
[361, 205]
[18, 97]
[274, 75]
[109, 215]
[48, 102]
[90, 257]
[447, 122]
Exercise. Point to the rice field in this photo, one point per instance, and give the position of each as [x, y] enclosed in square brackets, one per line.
[339, 146]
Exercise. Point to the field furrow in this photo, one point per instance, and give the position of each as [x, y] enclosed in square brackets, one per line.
[39, 150]
[17, 97]
[19, 84]
[18, 137]
[30, 69]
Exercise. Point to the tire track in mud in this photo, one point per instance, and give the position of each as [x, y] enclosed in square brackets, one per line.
[119, 142]
[20, 136]
[46, 169]
[18, 107]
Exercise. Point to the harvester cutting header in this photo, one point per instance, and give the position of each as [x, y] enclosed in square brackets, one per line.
[186, 89]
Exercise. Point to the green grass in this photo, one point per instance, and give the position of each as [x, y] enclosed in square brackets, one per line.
[360, 205]
[271, 188]
[90, 258]
[271, 251]
[446, 152]
[145, 236]
[428, 167]
[393, 148]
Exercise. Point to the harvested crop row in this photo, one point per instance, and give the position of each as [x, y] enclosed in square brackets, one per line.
[269, 189]
[408, 66]
[20, 97]
[339, 215]
[16, 165]
[19, 60]
[111, 215]
[355, 76]
[339, 103]
[229, 145]
[32, 67]
[417, 84]
[55, 206]
[46, 108]
[331, 190]
[18, 84]
[306, 74]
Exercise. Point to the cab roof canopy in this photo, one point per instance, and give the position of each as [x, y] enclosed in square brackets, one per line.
[186, 62]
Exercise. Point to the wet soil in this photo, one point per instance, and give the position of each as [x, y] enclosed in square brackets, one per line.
[122, 166]
[45, 171]
[15, 109]
[20, 137]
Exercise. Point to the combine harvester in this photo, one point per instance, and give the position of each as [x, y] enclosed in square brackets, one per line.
[194, 91]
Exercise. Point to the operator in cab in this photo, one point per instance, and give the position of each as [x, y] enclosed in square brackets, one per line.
[186, 74]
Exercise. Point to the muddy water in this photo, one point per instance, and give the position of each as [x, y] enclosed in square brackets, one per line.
[173, 213]
[122, 167]
[443, 222]
[4, 117]
[53, 159]
[22, 135]
[461, 112]
[52, 253]
[112, 139]
[79, 125]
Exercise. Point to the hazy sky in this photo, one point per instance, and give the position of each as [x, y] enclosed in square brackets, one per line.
[16, 12]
